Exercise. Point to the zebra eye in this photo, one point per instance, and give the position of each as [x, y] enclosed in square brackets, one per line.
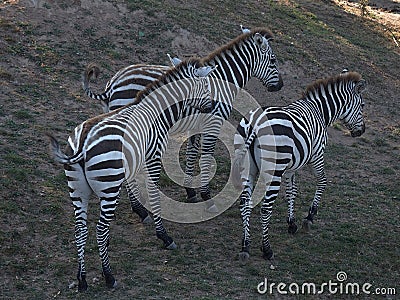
[273, 59]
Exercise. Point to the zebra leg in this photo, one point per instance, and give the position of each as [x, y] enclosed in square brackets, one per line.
[107, 206]
[81, 233]
[319, 172]
[192, 150]
[211, 125]
[205, 167]
[80, 193]
[266, 212]
[272, 190]
[291, 192]
[136, 206]
[153, 169]
[245, 211]
[207, 152]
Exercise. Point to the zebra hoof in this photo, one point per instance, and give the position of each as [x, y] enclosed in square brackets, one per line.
[268, 254]
[292, 229]
[212, 209]
[244, 257]
[306, 225]
[172, 246]
[82, 285]
[192, 199]
[112, 285]
[110, 281]
[147, 220]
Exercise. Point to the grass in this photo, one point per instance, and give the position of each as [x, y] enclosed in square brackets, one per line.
[355, 231]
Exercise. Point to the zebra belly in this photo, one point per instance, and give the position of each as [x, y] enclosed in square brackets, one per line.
[196, 123]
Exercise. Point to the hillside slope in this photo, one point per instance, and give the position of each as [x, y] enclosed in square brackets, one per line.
[43, 51]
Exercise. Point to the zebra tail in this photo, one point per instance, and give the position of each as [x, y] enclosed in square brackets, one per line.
[59, 155]
[92, 71]
[238, 161]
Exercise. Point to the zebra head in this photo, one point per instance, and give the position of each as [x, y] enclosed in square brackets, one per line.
[265, 65]
[199, 96]
[352, 115]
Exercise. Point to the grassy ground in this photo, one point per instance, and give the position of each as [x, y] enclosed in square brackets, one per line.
[43, 52]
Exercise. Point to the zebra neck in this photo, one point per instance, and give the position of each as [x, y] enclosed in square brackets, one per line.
[170, 117]
[159, 114]
[234, 66]
[324, 107]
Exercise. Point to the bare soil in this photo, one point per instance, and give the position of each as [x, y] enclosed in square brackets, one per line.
[44, 47]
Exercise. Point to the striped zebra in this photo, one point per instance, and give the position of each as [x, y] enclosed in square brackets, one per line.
[109, 149]
[279, 141]
[249, 55]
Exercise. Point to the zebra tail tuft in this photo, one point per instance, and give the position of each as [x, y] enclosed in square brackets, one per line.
[59, 155]
[92, 71]
[237, 167]
[238, 161]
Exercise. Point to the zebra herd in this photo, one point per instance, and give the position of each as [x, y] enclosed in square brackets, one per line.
[144, 104]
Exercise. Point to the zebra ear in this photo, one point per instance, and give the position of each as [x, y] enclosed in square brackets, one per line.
[204, 71]
[174, 60]
[244, 30]
[360, 86]
[344, 71]
[261, 41]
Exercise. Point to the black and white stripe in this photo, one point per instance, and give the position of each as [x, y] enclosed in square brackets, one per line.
[249, 55]
[280, 140]
[123, 87]
[109, 149]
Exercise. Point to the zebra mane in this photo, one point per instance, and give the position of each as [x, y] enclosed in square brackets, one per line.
[167, 77]
[344, 78]
[263, 31]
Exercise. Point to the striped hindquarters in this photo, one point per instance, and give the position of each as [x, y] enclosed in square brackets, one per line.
[125, 85]
[276, 139]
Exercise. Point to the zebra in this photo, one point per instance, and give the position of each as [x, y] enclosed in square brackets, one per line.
[109, 149]
[248, 55]
[278, 141]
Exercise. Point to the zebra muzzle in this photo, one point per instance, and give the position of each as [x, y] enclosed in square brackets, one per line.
[275, 87]
[358, 132]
